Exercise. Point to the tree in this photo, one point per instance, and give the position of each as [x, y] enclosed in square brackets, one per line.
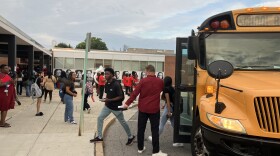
[96, 43]
[63, 45]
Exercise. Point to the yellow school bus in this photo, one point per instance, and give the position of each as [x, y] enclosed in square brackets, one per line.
[228, 80]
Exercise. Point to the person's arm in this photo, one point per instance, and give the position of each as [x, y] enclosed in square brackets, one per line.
[133, 95]
[69, 92]
[168, 104]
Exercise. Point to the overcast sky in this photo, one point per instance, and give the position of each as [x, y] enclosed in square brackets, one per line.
[151, 24]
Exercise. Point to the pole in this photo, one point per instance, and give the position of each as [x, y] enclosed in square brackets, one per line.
[81, 123]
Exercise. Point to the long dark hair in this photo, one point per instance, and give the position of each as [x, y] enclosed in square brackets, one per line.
[70, 76]
[49, 74]
[167, 85]
[63, 74]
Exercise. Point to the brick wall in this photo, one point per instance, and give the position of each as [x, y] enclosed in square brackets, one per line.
[169, 67]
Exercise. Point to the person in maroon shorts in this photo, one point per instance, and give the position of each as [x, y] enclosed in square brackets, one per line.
[7, 94]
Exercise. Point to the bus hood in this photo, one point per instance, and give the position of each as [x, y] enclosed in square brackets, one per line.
[253, 80]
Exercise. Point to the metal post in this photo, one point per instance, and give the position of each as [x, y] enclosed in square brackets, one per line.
[12, 52]
[81, 123]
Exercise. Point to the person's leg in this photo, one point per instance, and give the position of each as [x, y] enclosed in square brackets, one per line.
[50, 94]
[17, 87]
[46, 93]
[65, 99]
[3, 117]
[39, 100]
[86, 105]
[119, 116]
[20, 87]
[101, 92]
[154, 119]
[70, 109]
[103, 114]
[142, 121]
[163, 120]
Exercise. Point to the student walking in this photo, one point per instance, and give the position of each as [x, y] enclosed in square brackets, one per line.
[19, 82]
[40, 82]
[69, 93]
[101, 84]
[49, 80]
[113, 99]
[167, 96]
[149, 89]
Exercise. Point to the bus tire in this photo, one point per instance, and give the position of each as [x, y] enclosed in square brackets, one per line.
[197, 145]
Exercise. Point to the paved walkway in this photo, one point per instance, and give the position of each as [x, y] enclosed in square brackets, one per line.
[47, 135]
[115, 139]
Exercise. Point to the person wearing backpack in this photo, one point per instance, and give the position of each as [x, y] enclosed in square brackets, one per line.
[39, 82]
[87, 93]
[69, 92]
[49, 80]
[168, 97]
[61, 80]
[113, 100]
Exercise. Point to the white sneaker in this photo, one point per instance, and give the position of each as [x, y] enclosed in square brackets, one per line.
[160, 154]
[73, 122]
[178, 144]
[141, 151]
[150, 138]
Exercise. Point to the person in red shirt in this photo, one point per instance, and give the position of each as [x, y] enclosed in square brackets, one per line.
[101, 84]
[149, 89]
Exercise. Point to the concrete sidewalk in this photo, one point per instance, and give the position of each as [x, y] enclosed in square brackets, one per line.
[115, 139]
[47, 135]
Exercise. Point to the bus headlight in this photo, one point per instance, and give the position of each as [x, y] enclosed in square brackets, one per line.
[226, 124]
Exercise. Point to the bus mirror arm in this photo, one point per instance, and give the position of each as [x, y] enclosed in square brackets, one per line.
[219, 106]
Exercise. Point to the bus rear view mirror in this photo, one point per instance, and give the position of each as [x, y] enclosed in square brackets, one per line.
[220, 69]
[193, 47]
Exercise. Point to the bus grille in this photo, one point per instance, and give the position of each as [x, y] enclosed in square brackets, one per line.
[268, 113]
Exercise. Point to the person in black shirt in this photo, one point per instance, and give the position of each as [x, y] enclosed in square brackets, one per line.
[69, 93]
[114, 98]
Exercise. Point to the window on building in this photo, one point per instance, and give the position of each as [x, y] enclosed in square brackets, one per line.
[135, 66]
[69, 63]
[117, 65]
[58, 62]
[79, 63]
[108, 63]
[143, 65]
[98, 63]
[90, 63]
[126, 66]
[160, 67]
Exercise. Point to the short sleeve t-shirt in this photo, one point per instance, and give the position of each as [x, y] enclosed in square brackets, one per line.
[101, 80]
[170, 91]
[70, 84]
[113, 90]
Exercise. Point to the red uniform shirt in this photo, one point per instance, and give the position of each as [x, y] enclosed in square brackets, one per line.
[149, 89]
[101, 81]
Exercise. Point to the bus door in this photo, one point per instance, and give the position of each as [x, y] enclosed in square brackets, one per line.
[184, 92]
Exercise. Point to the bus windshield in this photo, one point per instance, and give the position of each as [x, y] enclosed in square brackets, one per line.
[250, 51]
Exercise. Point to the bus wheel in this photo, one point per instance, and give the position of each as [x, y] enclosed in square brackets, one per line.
[197, 145]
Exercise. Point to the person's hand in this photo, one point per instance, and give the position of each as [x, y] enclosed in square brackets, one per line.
[75, 95]
[104, 100]
[125, 106]
[169, 114]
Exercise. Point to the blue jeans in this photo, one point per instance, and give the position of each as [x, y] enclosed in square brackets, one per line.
[68, 115]
[28, 90]
[164, 119]
[119, 115]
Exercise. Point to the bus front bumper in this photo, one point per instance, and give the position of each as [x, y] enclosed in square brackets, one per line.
[224, 143]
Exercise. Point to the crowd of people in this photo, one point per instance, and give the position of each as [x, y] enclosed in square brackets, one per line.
[149, 90]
